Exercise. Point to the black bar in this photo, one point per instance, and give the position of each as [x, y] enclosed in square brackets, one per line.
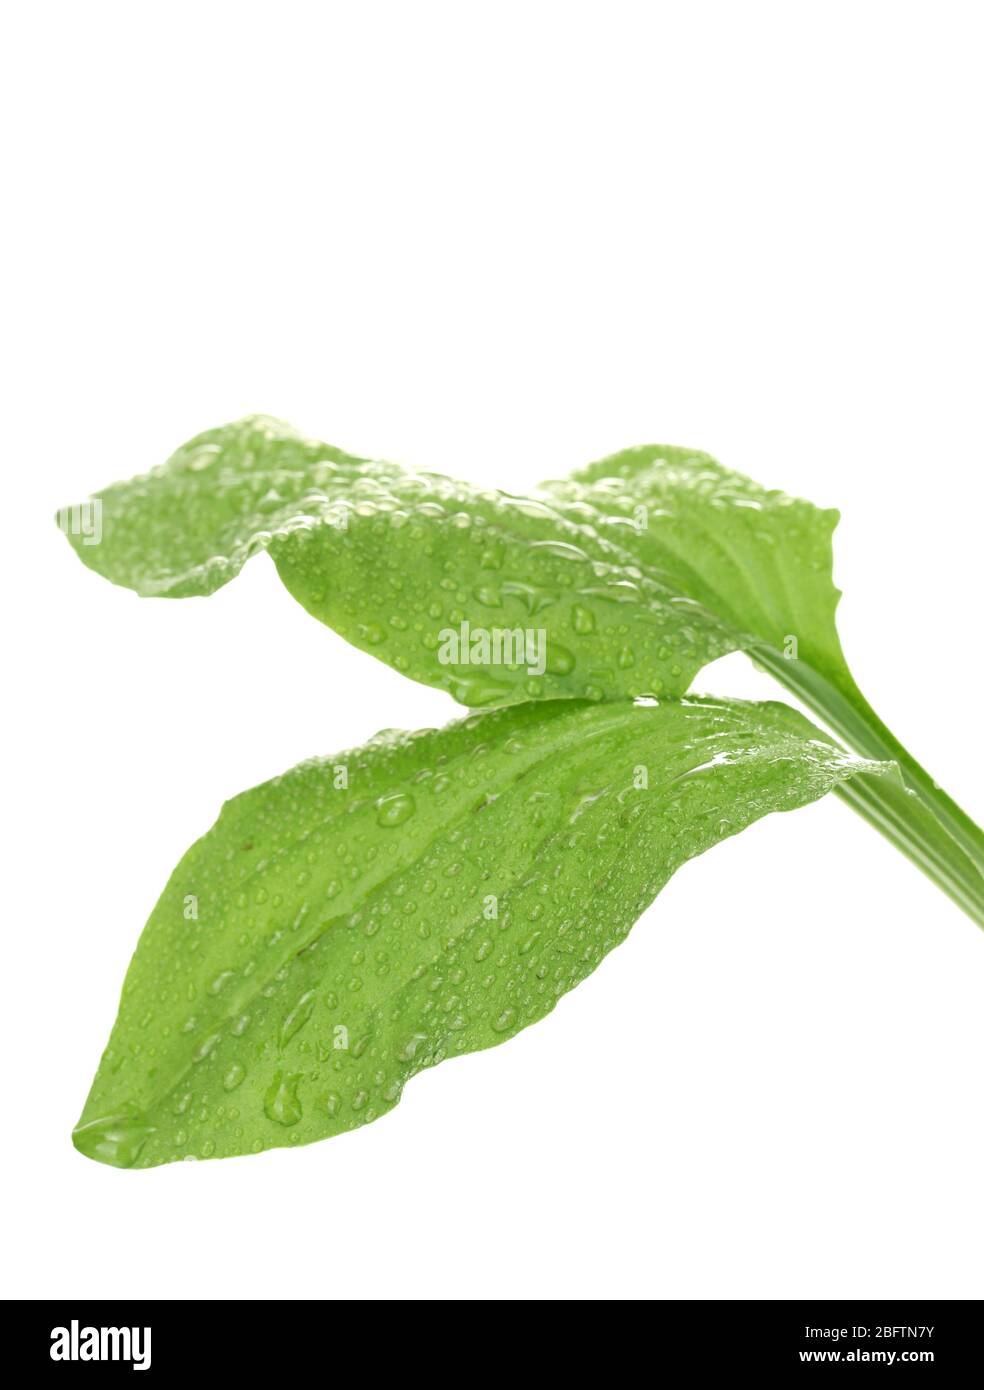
[294, 1337]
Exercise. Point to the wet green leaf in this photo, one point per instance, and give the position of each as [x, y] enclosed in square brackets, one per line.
[398, 561]
[363, 917]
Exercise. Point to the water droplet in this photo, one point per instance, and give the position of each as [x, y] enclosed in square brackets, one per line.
[533, 600]
[583, 620]
[296, 1019]
[395, 809]
[234, 1077]
[479, 690]
[205, 1047]
[505, 1021]
[281, 1103]
[561, 549]
[560, 661]
[493, 556]
[409, 1048]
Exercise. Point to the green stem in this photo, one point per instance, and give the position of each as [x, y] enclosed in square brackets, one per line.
[913, 812]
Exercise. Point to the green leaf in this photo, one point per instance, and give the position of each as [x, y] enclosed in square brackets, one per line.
[627, 579]
[642, 569]
[395, 561]
[365, 916]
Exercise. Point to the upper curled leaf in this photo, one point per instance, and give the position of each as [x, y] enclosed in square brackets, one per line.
[492, 597]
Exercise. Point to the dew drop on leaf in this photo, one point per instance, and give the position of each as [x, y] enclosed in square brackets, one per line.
[583, 620]
[281, 1103]
[395, 810]
[560, 661]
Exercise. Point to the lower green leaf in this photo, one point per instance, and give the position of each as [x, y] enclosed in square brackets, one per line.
[363, 917]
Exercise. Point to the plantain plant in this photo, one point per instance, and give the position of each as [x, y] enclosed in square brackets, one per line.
[365, 916]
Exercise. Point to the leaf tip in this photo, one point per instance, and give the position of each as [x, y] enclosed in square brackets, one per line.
[113, 1139]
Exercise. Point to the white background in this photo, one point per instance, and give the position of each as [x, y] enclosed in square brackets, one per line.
[497, 241]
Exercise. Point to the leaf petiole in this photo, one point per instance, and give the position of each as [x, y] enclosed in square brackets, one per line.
[912, 811]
